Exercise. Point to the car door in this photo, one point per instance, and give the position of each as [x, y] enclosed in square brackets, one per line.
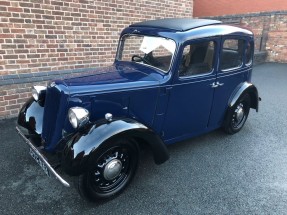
[232, 71]
[191, 94]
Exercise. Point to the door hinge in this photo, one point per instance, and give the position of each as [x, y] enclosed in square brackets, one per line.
[166, 90]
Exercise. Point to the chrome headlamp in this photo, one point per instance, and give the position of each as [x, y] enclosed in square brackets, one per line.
[78, 116]
[37, 91]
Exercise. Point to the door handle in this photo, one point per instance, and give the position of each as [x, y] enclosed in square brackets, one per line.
[219, 84]
[214, 85]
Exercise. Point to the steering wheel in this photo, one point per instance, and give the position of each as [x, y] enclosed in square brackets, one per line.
[139, 59]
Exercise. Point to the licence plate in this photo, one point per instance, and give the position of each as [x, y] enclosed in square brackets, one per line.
[40, 162]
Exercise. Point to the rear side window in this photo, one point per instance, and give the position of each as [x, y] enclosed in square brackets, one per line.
[197, 59]
[231, 54]
[249, 52]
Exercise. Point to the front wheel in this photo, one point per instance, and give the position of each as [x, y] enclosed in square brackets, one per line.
[115, 165]
[238, 115]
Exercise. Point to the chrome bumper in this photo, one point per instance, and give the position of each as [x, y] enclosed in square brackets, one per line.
[43, 159]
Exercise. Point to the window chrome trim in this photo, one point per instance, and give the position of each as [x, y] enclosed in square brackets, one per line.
[242, 55]
[213, 60]
[196, 75]
[232, 68]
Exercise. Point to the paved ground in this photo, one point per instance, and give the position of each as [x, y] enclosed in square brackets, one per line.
[217, 174]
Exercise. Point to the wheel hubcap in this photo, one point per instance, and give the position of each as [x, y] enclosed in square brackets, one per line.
[112, 169]
[239, 113]
[238, 116]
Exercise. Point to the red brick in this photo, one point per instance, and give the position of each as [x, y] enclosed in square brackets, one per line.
[5, 3]
[6, 35]
[4, 113]
[20, 101]
[19, 41]
[30, 36]
[11, 107]
[24, 61]
[26, 4]
[16, 20]
[3, 8]
[10, 97]
[15, 9]
[27, 15]
[58, 3]
[18, 51]
[12, 102]
[14, 112]
[18, 30]
[34, 65]
[3, 93]
[33, 56]
[5, 14]
[8, 67]
[10, 56]
[10, 46]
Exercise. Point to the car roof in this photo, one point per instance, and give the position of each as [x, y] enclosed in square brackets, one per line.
[177, 24]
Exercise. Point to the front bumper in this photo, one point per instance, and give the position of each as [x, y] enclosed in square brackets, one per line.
[42, 159]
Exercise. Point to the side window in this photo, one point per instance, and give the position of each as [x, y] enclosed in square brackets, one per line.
[249, 53]
[197, 59]
[231, 54]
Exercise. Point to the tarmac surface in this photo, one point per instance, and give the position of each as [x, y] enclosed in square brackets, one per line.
[245, 173]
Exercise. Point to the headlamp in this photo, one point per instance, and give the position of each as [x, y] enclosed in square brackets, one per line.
[78, 116]
[38, 91]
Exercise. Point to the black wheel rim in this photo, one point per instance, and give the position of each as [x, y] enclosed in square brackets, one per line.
[99, 183]
[239, 116]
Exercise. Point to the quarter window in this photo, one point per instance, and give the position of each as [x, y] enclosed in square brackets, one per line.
[231, 54]
[197, 59]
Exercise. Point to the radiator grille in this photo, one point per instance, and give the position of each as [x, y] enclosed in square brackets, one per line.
[53, 117]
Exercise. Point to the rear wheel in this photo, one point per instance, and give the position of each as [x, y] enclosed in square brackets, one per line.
[238, 115]
[115, 165]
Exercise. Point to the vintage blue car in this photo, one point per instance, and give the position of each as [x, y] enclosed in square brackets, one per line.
[172, 79]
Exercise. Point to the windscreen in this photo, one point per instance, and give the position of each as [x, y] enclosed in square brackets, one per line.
[151, 51]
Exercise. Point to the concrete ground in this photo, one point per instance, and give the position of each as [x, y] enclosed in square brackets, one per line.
[213, 174]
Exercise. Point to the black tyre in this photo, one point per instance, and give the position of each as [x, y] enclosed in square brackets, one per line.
[238, 115]
[115, 165]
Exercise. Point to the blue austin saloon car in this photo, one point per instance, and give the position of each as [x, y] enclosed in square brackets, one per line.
[172, 79]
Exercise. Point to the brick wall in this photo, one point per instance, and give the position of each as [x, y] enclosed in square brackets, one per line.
[229, 7]
[270, 30]
[266, 18]
[43, 38]
[276, 44]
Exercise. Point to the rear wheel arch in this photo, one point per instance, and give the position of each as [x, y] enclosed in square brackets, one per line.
[240, 92]
[253, 98]
[242, 89]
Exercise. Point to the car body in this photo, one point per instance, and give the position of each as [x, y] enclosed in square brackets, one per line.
[172, 79]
